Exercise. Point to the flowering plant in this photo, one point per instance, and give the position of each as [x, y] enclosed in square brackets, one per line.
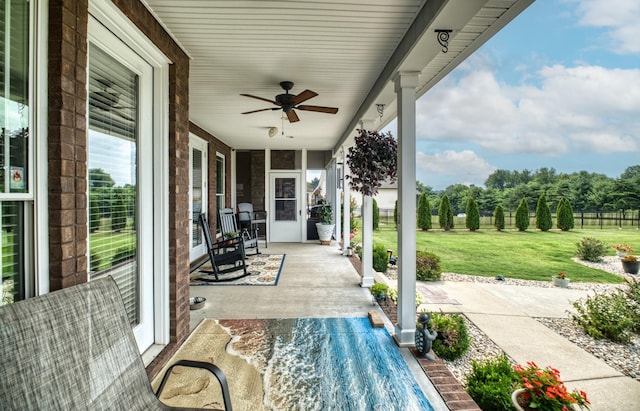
[623, 247]
[544, 390]
[561, 275]
[630, 258]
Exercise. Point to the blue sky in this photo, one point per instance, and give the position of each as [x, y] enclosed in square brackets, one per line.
[558, 87]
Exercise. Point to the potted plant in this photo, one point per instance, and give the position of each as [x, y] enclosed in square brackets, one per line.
[561, 280]
[372, 160]
[542, 389]
[630, 264]
[622, 249]
[379, 291]
[325, 226]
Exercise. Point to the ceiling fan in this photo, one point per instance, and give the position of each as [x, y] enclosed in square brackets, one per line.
[288, 102]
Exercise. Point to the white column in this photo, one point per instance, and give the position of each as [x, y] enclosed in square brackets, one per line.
[346, 198]
[405, 87]
[367, 241]
[367, 228]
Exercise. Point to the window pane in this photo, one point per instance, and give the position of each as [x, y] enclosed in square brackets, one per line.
[14, 94]
[220, 177]
[112, 157]
[12, 251]
[196, 196]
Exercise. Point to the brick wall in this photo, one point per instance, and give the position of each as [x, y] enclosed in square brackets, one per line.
[215, 146]
[67, 135]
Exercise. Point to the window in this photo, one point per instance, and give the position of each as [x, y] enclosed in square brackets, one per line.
[220, 177]
[112, 153]
[15, 165]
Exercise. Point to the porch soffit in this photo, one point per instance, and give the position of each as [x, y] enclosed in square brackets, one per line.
[346, 52]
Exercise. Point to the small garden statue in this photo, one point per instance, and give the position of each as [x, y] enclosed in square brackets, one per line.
[424, 337]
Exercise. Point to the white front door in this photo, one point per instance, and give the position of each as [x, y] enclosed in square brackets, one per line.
[198, 177]
[286, 215]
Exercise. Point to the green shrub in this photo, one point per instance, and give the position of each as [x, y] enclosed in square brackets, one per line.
[522, 216]
[498, 217]
[95, 260]
[564, 215]
[543, 214]
[491, 382]
[590, 249]
[118, 214]
[445, 214]
[424, 213]
[608, 316]
[395, 213]
[376, 214]
[633, 295]
[380, 258]
[123, 254]
[453, 338]
[427, 266]
[472, 221]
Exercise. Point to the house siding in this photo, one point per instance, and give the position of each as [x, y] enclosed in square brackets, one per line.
[67, 155]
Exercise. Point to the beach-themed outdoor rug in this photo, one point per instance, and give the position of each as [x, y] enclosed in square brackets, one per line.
[296, 364]
[263, 269]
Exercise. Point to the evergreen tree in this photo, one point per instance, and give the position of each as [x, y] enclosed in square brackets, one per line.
[564, 215]
[395, 214]
[94, 213]
[424, 213]
[445, 214]
[522, 216]
[498, 218]
[118, 214]
[472, 221]
[376, 214]
[543, 214]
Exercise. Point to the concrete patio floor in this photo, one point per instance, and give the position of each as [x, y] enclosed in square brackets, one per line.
[316, 281]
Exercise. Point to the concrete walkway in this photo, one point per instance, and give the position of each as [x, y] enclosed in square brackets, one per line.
[504, 313]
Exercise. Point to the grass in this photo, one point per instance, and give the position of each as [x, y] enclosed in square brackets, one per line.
[529, 255]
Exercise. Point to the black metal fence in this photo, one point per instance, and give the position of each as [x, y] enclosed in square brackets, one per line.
[582, 219]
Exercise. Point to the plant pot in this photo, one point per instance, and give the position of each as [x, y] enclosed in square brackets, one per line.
[561, 282]
[519, 402]
[325, 232]
[621, 253]
[630, 267]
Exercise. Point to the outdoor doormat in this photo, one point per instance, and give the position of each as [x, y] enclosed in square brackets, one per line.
[263, 269]
[297, 364]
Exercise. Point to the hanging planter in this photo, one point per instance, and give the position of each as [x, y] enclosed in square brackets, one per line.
[373, 160]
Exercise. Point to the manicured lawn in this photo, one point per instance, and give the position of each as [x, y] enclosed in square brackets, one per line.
[529, 255]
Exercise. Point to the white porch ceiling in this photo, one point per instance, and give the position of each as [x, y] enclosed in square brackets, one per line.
[347, 52]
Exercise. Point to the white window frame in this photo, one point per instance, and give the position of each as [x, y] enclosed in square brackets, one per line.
[113, 19]
[224, 176]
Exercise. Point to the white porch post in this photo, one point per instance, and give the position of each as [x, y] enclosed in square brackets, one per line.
[405, 87]
[367, 241]
[346, 198]
[367, 228]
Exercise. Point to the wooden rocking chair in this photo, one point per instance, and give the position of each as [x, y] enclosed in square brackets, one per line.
[228, 224]
[226, 256]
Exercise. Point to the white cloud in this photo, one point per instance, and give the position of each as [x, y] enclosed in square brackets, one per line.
[564, 109]
[453, 166]
[619, 17]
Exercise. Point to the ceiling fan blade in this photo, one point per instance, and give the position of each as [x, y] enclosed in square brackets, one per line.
[320, 109]
[262, 109]
[304, 96]
[260, 98]
[292, 116]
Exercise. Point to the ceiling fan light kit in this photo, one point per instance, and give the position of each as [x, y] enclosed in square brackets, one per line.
[288, 102]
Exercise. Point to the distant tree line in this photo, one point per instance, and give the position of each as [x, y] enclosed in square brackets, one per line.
[584, 191]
